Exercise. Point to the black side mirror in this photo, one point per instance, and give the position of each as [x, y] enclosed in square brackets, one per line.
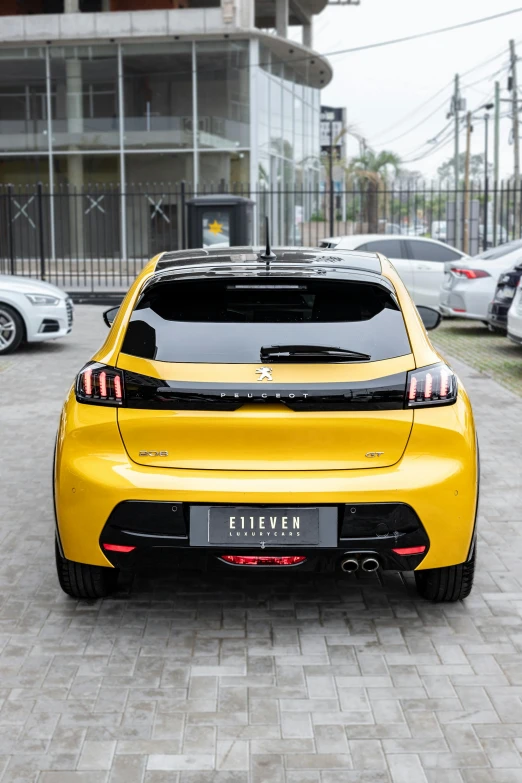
[110, 315]
[430, 317]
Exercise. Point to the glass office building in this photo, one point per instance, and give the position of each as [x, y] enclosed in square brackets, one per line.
[223, 112]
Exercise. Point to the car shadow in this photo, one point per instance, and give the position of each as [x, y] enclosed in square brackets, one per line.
[237, 588]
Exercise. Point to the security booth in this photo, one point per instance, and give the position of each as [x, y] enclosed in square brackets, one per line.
[219, 220]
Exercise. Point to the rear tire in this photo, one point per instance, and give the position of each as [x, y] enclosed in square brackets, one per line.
[451, 583]
[80, 580]
[12, 329]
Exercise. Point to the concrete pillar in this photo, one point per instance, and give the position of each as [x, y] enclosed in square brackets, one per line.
[246, 13]
[307, 34]
[71, 6]
[74, 113]
[282, 18]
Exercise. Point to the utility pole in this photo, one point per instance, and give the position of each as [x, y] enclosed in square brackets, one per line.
[332, 206]
[456, 113]
[516, 139]
[486, 181]
[496, 164]
[469, 129]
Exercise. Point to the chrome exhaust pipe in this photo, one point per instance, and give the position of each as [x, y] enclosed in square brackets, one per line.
[349, 565]
[370, 564]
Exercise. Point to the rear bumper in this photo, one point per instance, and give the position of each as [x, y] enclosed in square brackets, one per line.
[497, 314]
[138, 533]
[437, 477]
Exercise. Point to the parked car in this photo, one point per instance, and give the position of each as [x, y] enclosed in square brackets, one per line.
[469, 288]
[439, 230]
[421, 263]
[267, 411]
[504, 293]
[31, 311]
[514, 317]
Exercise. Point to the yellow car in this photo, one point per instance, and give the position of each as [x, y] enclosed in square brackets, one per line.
[264, 410]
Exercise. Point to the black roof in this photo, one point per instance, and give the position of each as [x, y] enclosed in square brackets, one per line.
[248, 259]
[219, 200]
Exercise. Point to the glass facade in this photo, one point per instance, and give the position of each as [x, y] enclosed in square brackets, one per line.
[158, 105]
[133, 115]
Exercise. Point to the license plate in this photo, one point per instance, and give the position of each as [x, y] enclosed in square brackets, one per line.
[237, 526]
[507, 293]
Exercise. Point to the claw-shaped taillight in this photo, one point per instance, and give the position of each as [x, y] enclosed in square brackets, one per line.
[98, 384]
[433, 385]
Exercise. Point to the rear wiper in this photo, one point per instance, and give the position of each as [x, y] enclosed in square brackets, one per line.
[310, 353]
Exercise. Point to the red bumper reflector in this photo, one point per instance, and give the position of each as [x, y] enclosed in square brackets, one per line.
[459, 310]
[262, 560]
[118, 548]
[410, 550]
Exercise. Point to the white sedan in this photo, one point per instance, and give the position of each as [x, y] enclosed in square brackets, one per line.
[421, 263]
[469, 288]
[31, 311]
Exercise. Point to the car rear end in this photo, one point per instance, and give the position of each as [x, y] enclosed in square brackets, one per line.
[467, 290]
[505, 291]
[288, 416]
[514, 316]
[469, 286]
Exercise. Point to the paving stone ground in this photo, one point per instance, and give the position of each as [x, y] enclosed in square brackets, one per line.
[488, 352]
[200, 679]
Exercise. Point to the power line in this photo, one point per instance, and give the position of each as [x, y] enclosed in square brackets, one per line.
[414, 111]
[416, 36]
[436, 94]
[441, 142]
[414, 127]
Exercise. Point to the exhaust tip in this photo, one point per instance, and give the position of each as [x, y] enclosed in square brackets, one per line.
[349, 565]
[370, 564]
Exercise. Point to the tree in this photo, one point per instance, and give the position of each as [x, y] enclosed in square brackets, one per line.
[446, 170]
[371, 170]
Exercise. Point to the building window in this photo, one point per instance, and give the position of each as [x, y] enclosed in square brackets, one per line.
[23, 103]
[84, 97]
[223, 94]
[158, 96]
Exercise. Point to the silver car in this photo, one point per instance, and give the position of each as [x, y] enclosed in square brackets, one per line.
[421, 263]
[469, 287]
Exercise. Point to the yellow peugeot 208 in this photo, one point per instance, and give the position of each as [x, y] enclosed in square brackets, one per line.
[264, 410]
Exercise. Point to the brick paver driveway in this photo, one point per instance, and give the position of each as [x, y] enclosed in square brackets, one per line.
[200, 679]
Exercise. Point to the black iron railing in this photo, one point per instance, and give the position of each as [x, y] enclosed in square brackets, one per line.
[99, 238]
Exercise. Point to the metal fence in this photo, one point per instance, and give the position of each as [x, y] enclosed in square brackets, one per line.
[99, 238]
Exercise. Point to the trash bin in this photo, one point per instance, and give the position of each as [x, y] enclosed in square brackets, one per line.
[220, 220]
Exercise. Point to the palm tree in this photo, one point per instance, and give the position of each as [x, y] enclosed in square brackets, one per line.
[370, 170]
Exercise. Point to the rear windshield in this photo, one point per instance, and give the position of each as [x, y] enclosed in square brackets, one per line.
[230, 322]
[501, 250]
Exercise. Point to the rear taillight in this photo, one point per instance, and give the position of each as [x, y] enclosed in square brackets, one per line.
[410, 550]
[266, 560]
[471, 274]
[119, 548]
[434, 385]
[98, 384]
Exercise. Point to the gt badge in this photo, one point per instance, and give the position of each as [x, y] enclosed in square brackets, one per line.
[265, 374]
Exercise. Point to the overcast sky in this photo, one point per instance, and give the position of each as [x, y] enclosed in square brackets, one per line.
[381, 86]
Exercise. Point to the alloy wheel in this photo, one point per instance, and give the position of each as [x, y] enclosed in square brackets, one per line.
[7, 330]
